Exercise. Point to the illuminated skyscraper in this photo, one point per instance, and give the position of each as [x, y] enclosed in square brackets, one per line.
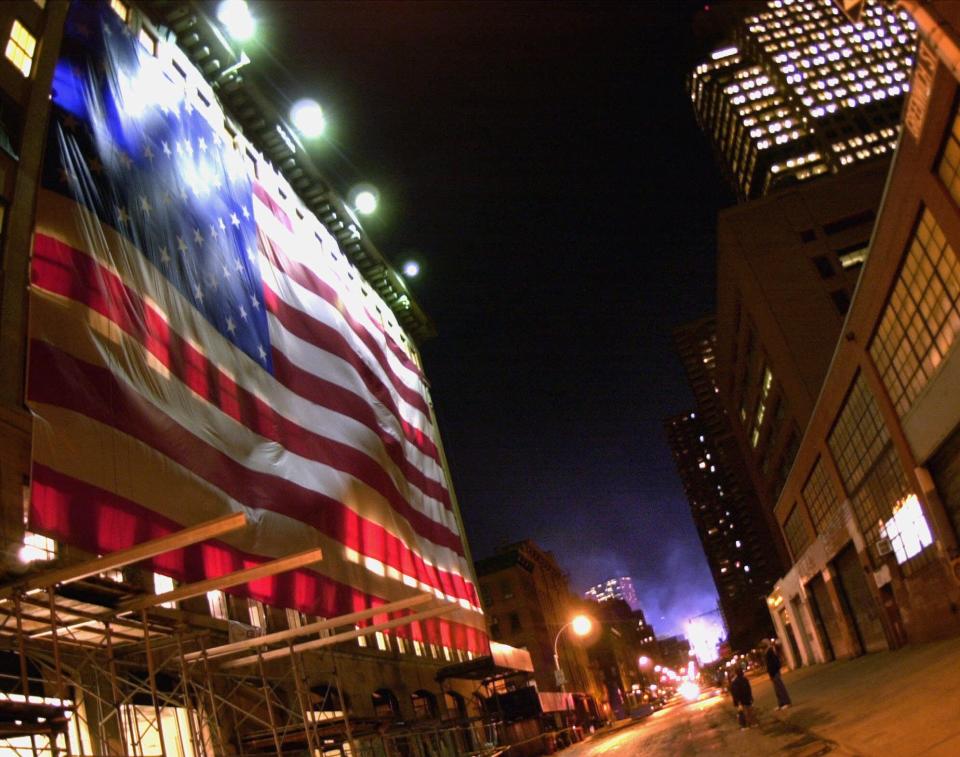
[804, 92]
[614, 588]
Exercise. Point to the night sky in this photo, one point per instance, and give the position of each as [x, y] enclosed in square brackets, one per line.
[542, 163]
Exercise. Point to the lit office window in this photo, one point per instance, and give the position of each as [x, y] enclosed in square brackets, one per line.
[908, 530]
[37, 548]
[922, 317]
[20, 48]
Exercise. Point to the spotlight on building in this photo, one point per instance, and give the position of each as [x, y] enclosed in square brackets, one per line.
[236, 19]
[307, 117]
[365, 198]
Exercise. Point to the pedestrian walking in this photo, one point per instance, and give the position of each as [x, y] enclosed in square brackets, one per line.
[742, 694]
[772, 659]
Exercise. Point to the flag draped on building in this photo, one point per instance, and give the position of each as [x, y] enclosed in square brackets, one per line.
[199, 345]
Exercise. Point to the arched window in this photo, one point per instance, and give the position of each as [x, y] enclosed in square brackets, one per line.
[424, 705]
[456, 704]
[385, 704]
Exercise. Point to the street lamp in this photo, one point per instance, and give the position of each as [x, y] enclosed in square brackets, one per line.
[581, 625]
[307, 116]
[236, 18]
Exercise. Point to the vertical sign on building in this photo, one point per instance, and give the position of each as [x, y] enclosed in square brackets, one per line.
[920, 88]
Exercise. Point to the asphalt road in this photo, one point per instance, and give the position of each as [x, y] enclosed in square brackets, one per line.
[707, 727]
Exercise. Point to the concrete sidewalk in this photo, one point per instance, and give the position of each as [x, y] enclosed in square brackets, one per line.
[889, 704]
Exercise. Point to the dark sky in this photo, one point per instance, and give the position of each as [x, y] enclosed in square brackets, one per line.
[542, 163]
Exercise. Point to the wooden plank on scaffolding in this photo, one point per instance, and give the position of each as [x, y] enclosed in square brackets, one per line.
[191, 535]
[343, 636]
[272, 568]
[320, 625]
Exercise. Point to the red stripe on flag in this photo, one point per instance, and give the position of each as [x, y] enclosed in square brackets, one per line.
[63, 270]
[310, 281]
[61, 380]
[99, 522]
[304, 276]
[329, 339]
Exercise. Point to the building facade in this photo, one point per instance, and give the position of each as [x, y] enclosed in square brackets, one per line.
[870, 506]
[528, 602]
[787, 267]
[353, 688]
[803, 92]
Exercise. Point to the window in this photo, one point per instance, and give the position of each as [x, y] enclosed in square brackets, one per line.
[148, 41]
[922, 317]
[258, 614]
[841, 300]
[217, 602]
[294, 618]
[796, 533]
[823, 265]
[820, 497]
[161, 585]
[20, 48]
[385, 704]
[949, 166]
[120, 8]
[37, 548]
[424, 705]
[908, 530]
[858, 437]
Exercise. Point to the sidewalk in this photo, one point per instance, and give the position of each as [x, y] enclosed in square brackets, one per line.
[889, 704]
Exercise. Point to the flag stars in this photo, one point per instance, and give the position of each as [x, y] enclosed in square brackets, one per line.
[148, 153]
[231, 326]
[197, 236]
[202, 144]
[213, 231]
[238, 266]
[221, 224]
[235, 220]
[227, 273]
[164, 255]
[246, 213]
[188, 147]
[198, 293]
[182, 244]
[122, 215]
[145, 205]
[243, 313]
[255, 302]
[263, 353]
[166, 149]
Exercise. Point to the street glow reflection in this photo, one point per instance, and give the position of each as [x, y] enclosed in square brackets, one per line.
[689, 690]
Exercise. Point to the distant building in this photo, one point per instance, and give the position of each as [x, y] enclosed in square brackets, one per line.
[644, 629]
[674, 652]
[614, 588]
[802, 92]
[527, 599]
[730, 537]
[870, 507]
[735, 531]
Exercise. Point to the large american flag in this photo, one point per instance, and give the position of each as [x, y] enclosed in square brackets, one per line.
[200, 345]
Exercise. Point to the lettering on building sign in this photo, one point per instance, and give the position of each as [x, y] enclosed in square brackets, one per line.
[920, 88]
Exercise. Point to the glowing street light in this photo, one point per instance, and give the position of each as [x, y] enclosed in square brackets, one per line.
[581, 625]
[644, 661]
[411, 269]
[307, 116]
[235, 17]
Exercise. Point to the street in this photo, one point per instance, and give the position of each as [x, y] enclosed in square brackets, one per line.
[705, 727]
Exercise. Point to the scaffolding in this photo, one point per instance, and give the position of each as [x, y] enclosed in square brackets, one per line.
[91, 667]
